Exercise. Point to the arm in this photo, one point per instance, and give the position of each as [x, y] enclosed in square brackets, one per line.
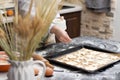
[60, 34]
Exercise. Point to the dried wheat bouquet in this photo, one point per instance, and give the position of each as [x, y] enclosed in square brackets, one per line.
[21, 38]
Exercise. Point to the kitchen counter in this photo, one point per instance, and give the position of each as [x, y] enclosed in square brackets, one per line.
[112, 73]
[68, 8]
[60, 73]
[104, 44]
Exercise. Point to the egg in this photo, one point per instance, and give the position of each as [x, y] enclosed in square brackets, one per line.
[49, 72]
[10, 12]
[36, 71]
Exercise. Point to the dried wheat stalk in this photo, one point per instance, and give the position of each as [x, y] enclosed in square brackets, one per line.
[21, 38]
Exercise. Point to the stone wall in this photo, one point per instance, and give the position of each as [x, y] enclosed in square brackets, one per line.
[96, 24]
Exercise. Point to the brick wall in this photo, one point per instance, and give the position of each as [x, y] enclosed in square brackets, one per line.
[96, 24]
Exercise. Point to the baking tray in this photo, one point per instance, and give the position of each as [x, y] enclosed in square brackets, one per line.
[52, 57]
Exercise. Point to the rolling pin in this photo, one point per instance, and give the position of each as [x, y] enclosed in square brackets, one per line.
[38, 57]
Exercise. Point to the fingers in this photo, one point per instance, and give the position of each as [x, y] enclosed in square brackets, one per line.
[64, 38]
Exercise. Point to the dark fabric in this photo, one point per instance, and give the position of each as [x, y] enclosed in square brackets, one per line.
[98, 5]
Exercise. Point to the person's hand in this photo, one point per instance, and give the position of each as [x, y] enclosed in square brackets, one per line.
[61, 34]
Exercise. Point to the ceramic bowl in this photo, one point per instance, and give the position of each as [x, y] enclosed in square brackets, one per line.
[4, 64]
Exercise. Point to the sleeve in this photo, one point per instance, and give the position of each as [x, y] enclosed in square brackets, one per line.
[23, 6]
